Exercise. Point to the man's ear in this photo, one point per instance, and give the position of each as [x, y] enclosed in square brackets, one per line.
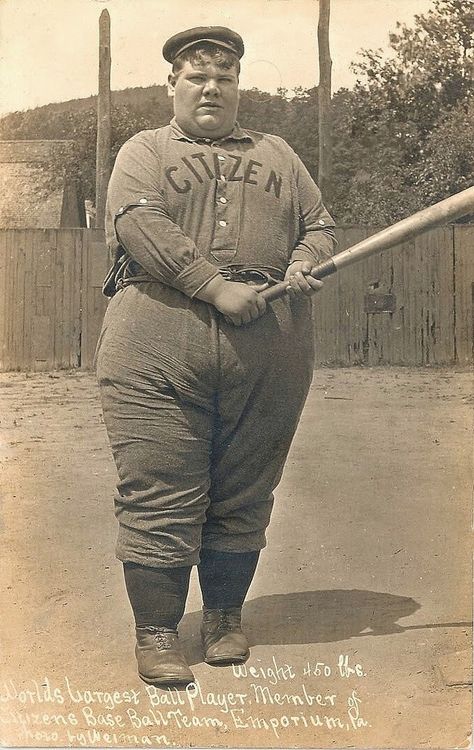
[171, 84]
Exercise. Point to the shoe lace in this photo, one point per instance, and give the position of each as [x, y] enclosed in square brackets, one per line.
[162, 638]
[228, 620]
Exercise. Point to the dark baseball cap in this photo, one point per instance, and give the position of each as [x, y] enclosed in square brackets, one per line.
[219, 35]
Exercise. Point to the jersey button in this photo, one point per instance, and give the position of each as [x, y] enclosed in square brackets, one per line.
[222, 223]
[222, 200]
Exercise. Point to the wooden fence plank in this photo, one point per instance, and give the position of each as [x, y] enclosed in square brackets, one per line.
[380, 325]
[338, 311]
[67, 335]
[325, 306]
[32, 243]
[401, 335]
[42, 347]
[352, 319]
[464, 292]
[95, 265]
[18, 302]
[435, 301]
[409, 297]
[3, 299]
[9, 292]
[12, 285]
[45, 312]
[14, 298]
[43, 334]
[443, 273]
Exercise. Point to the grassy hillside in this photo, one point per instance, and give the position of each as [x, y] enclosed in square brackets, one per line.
[138, 98]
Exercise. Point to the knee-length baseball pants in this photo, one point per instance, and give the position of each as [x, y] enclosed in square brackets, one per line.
[200, 416]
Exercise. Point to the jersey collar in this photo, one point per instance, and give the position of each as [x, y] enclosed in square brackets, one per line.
[238, 134]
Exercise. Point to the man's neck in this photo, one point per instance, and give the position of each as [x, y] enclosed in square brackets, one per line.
[204, 135]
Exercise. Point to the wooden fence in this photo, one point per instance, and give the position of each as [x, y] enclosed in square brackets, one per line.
[413, 305]
[51, 304]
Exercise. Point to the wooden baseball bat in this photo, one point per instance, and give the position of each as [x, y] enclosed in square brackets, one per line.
[460, 204]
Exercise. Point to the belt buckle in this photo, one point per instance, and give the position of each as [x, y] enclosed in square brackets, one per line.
[255, 276]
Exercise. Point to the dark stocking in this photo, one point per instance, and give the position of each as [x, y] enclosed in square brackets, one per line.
[225, 577]
[157, 595]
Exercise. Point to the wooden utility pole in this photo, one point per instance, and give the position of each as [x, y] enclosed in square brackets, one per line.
[103, 120]
[324, 103]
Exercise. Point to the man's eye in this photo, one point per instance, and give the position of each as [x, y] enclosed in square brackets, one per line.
[196, 79]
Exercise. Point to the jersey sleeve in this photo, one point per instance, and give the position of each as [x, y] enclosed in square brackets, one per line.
[316, 240]
[138, 220]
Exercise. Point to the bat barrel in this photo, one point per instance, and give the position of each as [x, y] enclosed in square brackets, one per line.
[449, 209]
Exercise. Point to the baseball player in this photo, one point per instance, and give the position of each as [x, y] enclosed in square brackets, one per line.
[202, 383]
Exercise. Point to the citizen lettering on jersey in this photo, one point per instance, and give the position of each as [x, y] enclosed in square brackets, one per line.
[197, 168]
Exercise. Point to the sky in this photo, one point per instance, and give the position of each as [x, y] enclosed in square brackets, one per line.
[48, 48]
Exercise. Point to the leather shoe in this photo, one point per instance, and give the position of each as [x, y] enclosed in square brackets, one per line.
[222, 637]
[160, 659]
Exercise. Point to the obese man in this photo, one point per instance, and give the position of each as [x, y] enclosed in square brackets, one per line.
[203, 383]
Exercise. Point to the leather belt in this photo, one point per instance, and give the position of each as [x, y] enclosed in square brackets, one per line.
[126, 271]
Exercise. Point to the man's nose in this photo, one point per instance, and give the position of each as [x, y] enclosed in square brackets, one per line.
[211, 87]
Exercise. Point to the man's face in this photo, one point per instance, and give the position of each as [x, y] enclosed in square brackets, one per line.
[206, 98]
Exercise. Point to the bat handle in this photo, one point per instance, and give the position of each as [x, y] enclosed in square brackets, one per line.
[326, 268]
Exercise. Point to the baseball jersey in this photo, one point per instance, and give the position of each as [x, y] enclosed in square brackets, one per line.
[182, 207]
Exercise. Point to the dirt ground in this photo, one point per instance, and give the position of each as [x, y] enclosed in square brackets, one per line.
[360, 614]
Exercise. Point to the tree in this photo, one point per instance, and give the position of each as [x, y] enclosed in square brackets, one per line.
[386, 126]
[447, 163]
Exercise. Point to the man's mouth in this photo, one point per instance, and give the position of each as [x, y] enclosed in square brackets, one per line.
[210, 105]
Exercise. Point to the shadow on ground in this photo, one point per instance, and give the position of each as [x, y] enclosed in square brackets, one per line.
[310, 617]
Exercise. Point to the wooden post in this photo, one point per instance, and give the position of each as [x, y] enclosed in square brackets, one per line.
[103, 120]
[324, 103]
